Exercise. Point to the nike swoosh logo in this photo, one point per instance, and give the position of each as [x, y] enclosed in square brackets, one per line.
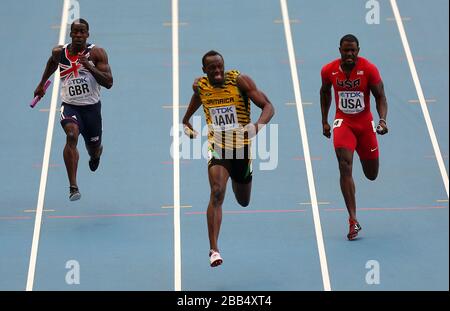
[372, 150]
[334, 73]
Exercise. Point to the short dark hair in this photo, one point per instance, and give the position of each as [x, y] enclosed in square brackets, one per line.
[349, 38]
[80, 21]
[210, 53]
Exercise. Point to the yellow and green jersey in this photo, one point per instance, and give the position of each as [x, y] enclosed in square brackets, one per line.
[227, 111]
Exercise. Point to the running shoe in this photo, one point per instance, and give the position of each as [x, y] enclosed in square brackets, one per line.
[214, 258]
[354, 229]
[74, 193]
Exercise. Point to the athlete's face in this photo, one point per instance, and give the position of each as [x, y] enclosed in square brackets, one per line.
[214, 69]
[349, 52]
[79, 34]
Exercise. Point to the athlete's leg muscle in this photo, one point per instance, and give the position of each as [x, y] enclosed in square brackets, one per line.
[218, 177]
[370, 168]
[345, 160]
[242, 192]
[70, 153]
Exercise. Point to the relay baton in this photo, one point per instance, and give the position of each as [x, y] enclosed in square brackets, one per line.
[37, 98]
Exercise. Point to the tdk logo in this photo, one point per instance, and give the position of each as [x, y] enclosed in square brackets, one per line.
[78, 81]
[222, 110]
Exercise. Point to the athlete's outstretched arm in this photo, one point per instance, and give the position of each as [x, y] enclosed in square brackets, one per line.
[50, 68]
[194, 104]
[381, 103]
[247, 86]
[325, 103]
[101, 69]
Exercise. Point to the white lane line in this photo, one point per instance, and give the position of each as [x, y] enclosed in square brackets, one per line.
[45, 161]
[176, 158]
[181, 206]
[416, 101]
[44, 110]
[295, 104]
[420, 94]
[169, 24]
[309, 171]
[404, 18]
[292, 21]
[442, 201]
[171, 106]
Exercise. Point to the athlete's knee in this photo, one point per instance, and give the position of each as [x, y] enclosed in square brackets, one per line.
[370, 169]
[72, 137]
[242, 193]
[243, 198]
[244, 202]
[94, 150]
[371, 175]
[217, 195]
[345, 166]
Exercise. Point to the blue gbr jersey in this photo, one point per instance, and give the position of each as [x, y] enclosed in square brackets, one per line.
[78, 85]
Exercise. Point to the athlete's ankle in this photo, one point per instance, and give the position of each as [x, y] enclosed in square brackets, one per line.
[352, 220]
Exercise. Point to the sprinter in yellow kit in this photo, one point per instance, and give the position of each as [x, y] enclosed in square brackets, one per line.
[226, 97]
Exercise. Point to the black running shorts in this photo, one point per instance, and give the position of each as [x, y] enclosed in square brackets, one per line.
[88, 118]
[237, 162]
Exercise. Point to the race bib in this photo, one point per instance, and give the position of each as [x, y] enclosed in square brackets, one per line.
[351, 102]
[78, 87]
[224, 118]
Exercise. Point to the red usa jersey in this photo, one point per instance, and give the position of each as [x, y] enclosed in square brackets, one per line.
[352, 94]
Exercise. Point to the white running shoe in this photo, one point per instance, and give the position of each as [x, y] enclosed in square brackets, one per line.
[74, 193]
[214, 258]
